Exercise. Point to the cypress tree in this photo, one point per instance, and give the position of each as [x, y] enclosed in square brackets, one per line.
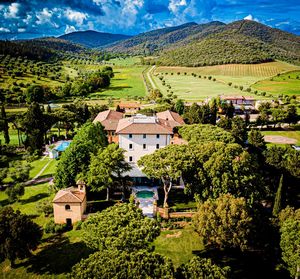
[278, 199]
[5, 126]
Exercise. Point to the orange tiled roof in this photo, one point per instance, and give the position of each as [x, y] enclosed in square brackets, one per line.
[129, 105]
[109, 119]
[69, 195]
[155, 126]
[172, 117]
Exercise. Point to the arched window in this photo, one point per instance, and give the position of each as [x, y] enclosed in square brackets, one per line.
[67, 207]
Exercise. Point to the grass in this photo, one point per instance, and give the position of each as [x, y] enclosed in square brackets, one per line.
[178, 249]
[288, 134]
[37, 166]
[286, 83]
[190, 88]
[127, 84]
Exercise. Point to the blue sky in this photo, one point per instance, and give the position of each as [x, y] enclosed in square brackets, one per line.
[36, 18]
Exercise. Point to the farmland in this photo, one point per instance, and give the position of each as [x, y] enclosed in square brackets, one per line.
[193, 84]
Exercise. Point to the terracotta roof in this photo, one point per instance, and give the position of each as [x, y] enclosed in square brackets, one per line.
[173, 118]
[69, 195]
[141, 124]
[109, 119]
[237, 98]
[129, 105]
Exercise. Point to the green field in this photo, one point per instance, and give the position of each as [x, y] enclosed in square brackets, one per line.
[286, 83]
[191, 88]
[126, 84]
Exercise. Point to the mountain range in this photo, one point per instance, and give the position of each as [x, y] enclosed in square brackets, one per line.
[193, 44]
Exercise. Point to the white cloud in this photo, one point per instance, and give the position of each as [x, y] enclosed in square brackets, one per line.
[21, 30]
[251, 17]
[70, 29]
[176, 5]
[12, 10]
[75, 16]
[4, 30]
[44, 16]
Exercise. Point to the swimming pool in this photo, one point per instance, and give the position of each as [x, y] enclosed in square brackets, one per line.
[145, 194]
[62, 146]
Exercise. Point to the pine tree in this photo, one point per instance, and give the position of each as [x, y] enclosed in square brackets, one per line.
[278, 199]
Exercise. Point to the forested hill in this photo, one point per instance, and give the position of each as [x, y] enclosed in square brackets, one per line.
[28, 49]
[156, 40]
[239, 42]
[93, 39]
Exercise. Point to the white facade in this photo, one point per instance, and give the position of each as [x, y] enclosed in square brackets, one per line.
[138, 145]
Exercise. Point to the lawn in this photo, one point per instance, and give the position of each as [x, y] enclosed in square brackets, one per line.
[126, 84]
[286, 83]
[288, 134]
[178, 245]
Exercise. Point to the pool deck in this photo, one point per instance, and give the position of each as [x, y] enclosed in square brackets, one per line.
[146, 204]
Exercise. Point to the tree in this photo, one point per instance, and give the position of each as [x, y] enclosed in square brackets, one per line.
[290, 245]
[213, 111]
[229, 112]
[75, 159]
[18, 235]
[106, 168]
[224, 222]
[278, 199]
[291, 114]
[205, 133]
[33, 123]
[35, 93]
[122, 227]
[5, 127]
[179, 106]
[167, 164]
[198, 268]
[256, 139]
[239, 129]
[122, 265]
[14, 192]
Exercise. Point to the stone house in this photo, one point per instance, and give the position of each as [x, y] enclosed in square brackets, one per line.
[69, 204]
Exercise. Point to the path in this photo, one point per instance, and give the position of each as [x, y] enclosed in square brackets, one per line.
[150, 77]
[280, 139]
[36, 179]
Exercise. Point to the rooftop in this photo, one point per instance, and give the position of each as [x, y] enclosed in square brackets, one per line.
[109, 119]
[69, 195]
[142, 124]
[172, 117]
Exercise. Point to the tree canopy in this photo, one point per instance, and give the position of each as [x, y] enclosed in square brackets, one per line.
[224, 222]
[121, 227]
[75, 159]
[122, 265]
[18, 234]
[205, 133]
[198, 268]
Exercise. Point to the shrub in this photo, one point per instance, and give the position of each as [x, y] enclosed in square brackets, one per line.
[78, 225]
[45, 207]
[50, 227]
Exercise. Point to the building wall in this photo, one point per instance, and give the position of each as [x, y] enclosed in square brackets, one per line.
[112, 137]
[137, 142]
[75, 213]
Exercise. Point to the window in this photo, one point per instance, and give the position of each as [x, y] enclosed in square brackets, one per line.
[112, 133]
[144, 136]
[144, 146]
[157, 136]
[130, 146]
[157, 146]
[130, 159]
[130, 136]
[67, 207]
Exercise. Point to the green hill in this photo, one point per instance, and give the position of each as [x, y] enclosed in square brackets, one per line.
[93, 39]
[157, 40]
[239, 42]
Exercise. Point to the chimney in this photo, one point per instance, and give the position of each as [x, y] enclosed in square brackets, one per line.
[81, 186]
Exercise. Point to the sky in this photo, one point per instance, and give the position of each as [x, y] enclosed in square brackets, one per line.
[22, 19]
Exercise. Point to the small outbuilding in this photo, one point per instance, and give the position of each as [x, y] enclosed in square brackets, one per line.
[69, 204]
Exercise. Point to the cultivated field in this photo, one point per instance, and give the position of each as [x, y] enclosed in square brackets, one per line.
[287, 83]
[188, 87]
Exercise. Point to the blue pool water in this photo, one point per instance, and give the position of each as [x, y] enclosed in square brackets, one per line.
[63, 146]
[145, 194]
